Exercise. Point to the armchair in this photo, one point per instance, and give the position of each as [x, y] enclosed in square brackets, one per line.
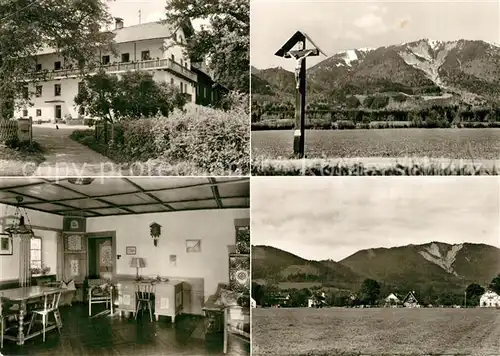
[100, 291]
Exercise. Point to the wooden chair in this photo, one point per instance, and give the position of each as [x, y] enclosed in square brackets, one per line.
[50, 305]
[144, 298]
[100, 291]
[236, 323]
[5, 313]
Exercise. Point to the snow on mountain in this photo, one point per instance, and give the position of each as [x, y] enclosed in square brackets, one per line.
[427, 56]
[349, 56]
[438, 255]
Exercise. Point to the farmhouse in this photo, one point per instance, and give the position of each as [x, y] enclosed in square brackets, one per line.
[280, 299]
[410, 301]
[147, 47]
[489, 299]
[317, 300]
[392, 300]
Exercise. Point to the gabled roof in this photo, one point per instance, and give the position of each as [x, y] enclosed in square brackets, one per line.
[393, 294]
[292, 41]
[145, 31]
[489, 291]
[409, 295]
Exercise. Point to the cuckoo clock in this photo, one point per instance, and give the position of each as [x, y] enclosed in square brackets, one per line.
[155, 231]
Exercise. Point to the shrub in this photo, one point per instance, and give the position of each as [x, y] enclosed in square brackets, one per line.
[213, 140]
[200, 139]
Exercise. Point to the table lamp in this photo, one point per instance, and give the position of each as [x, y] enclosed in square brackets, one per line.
[137, 262]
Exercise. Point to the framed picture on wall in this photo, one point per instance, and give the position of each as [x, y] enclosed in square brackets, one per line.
[5, 244]
[193, 245]
[130, 250]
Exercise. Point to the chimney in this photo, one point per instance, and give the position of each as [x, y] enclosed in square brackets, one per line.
[118, 23]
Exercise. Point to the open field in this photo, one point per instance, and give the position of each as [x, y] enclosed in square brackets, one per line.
[373, 166]
[394, 143]
[381, 331]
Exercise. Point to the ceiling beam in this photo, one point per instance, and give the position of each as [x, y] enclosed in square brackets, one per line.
[149, 194]
[170, 202]
[142, 190]
[90, 197]
[195, 209]
[215, 192]
[42, 201]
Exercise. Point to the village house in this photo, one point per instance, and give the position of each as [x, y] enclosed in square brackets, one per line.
[317, 301]
[392, 300]
[280, 300]
[489, 299]
[410, 301]
[147, 47]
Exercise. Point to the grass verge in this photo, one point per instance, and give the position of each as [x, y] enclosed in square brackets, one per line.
[334, 167]
[20, 159]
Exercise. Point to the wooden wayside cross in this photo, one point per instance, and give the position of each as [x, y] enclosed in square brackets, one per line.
[299, 39]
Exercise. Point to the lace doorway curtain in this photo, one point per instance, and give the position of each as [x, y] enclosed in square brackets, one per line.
[24, 259]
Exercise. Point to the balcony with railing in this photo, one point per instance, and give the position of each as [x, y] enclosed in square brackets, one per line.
[153, 64]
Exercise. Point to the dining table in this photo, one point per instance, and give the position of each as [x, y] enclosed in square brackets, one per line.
[21, 296]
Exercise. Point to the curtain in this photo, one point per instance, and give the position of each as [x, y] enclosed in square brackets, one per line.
[24, 259]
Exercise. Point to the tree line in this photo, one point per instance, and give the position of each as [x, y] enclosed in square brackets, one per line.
[369, 293]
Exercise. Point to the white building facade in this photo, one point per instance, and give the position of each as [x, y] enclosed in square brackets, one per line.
[489, 299]
[146, 47]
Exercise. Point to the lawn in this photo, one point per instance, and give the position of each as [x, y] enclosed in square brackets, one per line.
[380, 331]
[434, 143]
[21, 161]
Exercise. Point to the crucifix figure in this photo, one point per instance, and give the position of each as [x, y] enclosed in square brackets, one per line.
[299, 57]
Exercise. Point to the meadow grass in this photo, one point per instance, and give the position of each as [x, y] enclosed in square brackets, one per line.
[375, 331]
[382, 166]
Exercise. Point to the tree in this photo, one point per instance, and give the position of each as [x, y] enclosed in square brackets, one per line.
[258, 293]
[225, 42]
[71, 27]
[135, 95]
[140, 96]
[474, 292]
[299, 298]
[370, 290]
[495, 284]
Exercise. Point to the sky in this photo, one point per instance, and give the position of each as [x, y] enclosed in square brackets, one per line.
[334, 217]
[337, 26]
[151, 10]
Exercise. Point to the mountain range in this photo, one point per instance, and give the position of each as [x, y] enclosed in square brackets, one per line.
[436, 265]
[449, 72]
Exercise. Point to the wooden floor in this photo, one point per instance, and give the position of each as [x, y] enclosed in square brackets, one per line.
[106, 335]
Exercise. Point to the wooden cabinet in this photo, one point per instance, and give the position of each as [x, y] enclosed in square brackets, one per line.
[168, 299]
[126, 296]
